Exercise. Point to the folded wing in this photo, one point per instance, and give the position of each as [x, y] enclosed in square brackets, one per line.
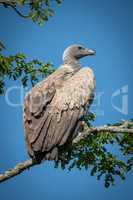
[57, 118]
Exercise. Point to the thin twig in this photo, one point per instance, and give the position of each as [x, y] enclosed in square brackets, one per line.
[12, 4]
[18, 12]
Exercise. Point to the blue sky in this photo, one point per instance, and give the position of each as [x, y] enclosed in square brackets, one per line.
[104, 25]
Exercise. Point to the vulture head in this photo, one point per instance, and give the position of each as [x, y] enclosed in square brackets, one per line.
[75, 52]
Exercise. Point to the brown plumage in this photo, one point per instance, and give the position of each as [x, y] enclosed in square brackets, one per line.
[53, 108]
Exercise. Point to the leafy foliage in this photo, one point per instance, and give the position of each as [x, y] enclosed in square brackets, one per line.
[95, 153]
[16, 67]
[37, 10]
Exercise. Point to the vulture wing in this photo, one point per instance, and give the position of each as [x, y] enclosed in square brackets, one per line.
[57, 119]
[37, 102]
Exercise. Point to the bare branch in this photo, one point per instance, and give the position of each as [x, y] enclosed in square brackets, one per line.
[19, 168]
[105, 128]
[121, 128]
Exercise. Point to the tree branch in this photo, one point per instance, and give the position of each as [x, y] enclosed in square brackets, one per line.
[12, 4]
[105, 128]
[19, 168]
[124, 127]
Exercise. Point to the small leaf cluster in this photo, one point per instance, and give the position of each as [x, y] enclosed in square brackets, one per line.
[37, 10]
[17, 67]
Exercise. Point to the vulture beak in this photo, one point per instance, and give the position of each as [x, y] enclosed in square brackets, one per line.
[90, 52]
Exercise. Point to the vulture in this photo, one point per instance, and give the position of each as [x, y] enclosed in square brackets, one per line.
[53, 107]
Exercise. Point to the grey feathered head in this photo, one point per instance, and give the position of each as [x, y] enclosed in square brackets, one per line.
[75, 52]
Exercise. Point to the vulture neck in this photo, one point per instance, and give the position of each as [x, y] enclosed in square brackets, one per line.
[73, 62]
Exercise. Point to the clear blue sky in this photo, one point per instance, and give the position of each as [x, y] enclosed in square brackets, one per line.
[104, 25]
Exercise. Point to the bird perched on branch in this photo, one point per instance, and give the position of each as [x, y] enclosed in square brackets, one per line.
[53, 107]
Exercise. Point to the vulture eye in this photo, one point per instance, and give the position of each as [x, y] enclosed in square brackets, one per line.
[80, 47]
